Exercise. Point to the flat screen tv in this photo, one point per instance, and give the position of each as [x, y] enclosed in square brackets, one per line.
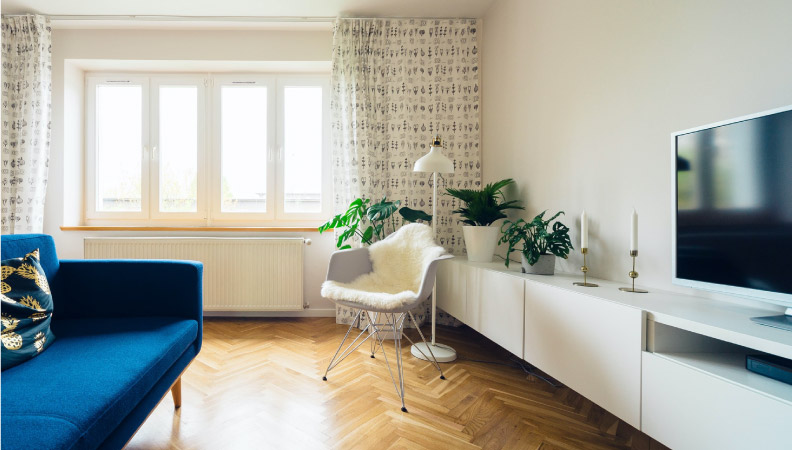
[732, 226]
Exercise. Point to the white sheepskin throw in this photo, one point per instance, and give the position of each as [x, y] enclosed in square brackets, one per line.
[399, 263]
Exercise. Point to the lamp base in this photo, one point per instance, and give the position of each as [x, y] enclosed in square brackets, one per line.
[582, 283]
[442, 353]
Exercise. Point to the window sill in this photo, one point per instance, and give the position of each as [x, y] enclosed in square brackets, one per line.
[198, 229]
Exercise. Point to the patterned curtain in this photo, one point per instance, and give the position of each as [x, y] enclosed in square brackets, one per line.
[27, 93]
[395, 84]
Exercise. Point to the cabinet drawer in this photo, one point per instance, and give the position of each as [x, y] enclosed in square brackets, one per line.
[685, 408]
[495, 307]
[591, 345]
[452, 288]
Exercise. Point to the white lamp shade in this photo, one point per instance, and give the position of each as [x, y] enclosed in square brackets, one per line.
[434, 161]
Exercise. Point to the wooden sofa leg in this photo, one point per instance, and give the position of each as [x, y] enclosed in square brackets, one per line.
[176, 392]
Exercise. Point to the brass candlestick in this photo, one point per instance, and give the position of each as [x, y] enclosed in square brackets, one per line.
[584, 269]
[633, 274]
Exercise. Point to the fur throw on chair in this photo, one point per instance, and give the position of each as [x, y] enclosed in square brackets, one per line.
[399, 263]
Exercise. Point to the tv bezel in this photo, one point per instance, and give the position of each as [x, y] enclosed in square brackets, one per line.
[776, 298]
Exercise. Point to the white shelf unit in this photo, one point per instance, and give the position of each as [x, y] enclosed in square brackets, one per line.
[669, 364]
[730, 367]
[697, 393]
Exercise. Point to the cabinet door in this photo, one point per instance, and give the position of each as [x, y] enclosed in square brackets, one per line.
[591, 345]
[687, 409]
[452, 288]
[495, 307]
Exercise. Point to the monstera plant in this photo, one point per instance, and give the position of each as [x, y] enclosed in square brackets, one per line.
[371, 222]
[537, 241]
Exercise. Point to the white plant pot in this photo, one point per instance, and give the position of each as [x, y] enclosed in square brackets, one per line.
[545, 265]
[480, 242]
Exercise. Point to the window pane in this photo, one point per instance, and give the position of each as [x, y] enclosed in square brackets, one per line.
[303, 149]
[178, 148]
[118, 147]
[243, 117]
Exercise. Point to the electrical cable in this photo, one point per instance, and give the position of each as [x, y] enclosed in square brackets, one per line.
[529, 369]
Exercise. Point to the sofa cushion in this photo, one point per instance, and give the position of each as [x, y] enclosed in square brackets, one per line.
[89, 379]
[37, 431]
[27, 310]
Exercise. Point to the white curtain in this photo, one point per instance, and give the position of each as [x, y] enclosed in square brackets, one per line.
[395, 84]
[26, 105]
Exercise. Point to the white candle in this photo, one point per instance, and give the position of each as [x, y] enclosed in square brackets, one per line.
[634, 232]
[584, 230]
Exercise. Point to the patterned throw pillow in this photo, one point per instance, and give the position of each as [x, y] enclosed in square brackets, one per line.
[26, 310]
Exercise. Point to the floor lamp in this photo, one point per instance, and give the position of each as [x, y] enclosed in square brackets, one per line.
[434, 162]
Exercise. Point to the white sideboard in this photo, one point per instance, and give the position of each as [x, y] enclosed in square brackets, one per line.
[671, 365]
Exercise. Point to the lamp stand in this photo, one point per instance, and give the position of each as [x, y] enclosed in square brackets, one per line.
[441, 352]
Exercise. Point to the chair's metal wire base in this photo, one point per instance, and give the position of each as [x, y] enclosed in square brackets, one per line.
[393, 322]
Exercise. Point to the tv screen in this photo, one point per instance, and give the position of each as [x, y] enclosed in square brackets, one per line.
[734, 206]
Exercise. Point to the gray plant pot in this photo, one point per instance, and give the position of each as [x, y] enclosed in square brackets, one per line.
[545, 265]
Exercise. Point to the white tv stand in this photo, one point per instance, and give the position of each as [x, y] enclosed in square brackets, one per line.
[782, 321]
[671, 365]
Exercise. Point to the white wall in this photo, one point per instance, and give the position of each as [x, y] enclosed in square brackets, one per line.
[64, 198]
[580, 98]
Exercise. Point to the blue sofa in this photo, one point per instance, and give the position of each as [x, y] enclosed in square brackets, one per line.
[125, 331]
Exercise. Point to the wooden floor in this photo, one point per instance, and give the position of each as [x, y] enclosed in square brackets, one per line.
[257, 384]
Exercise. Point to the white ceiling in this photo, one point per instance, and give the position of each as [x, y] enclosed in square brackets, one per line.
[252, 8]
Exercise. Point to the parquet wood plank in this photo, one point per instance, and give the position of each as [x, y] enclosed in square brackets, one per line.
[257, 384]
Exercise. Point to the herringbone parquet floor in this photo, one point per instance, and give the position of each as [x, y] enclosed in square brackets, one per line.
[257, 384]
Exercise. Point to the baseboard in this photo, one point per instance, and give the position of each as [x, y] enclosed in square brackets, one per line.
[310, 312]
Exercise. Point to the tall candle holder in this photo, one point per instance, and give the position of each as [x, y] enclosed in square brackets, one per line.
[633, 274]
[584, 269]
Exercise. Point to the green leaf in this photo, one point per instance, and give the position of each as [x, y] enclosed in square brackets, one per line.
[368, 234]
[555, 216]
[382, 210]
[414, 215]
[332, 223]
[345, 247]
[532, 256]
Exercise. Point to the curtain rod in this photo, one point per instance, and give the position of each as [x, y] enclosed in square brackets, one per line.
[164, 18]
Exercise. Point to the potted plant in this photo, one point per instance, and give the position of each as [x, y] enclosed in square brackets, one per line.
[371, 222]
[538, 243]
[480, 209]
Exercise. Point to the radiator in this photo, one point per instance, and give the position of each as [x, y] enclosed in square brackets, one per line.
[240, 274]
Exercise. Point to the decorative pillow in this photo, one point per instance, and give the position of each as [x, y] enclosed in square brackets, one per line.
[26, 310]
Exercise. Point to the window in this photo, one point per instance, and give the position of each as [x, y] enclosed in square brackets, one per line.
[216, 149]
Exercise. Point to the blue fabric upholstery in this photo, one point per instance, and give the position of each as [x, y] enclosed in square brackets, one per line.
[23, 431]
[18, 245]
[111, 364]
[126, 330]
[124, 288]
[124, 432]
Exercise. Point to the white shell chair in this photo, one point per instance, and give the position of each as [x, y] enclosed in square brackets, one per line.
[388, 279]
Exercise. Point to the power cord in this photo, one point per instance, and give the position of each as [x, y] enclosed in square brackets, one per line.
[516, 364]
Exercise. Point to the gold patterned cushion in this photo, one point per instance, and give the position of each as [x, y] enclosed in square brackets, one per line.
[26, 310]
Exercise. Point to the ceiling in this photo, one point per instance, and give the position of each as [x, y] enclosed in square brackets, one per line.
[252, 8]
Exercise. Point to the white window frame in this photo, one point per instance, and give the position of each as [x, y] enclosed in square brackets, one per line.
[91, 83]
[200, 83]
[209, 200]
[327, 176]
[241, 80]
